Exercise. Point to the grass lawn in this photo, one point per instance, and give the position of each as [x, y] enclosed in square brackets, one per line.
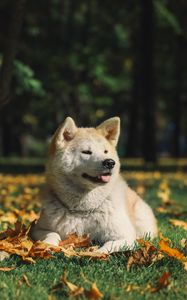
[166, 193]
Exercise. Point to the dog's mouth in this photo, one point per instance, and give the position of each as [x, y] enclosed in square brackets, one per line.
[102, 178]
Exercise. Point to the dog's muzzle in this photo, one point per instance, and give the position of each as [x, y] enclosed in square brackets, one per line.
[108, 163]
[104, 177]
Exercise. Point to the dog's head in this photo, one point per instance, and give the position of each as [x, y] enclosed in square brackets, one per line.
[86, 156]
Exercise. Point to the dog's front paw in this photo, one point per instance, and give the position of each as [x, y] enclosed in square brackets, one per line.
[104, 250]
[115, 246]
[52, 238]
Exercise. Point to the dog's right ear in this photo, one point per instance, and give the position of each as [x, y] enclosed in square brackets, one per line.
[65, 133]
[67, 130]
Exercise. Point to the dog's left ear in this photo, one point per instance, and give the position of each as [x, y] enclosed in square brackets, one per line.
[64, 133]
[110, 129]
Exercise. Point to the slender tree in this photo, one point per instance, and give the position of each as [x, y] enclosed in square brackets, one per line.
[134, 107]
[177, 100]
[147, 81]
[10, 50]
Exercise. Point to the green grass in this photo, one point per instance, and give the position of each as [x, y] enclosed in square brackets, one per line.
[111, 277]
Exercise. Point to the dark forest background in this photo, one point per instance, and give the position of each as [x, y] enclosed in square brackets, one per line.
[93, 60]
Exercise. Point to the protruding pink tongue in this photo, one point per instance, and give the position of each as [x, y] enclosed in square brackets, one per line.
[105, 178]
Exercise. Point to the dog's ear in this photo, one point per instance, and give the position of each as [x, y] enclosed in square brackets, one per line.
[67, 130]
[65, 133]
[110, 129]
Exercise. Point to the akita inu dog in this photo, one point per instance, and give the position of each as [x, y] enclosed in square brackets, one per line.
[85, 192]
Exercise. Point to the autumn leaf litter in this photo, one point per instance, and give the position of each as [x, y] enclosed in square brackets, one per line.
[19, 210]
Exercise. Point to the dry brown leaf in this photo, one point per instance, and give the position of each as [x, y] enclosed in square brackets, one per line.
[7, 269]
[93, 255]
[162, 282]
[69, 252]
[25, 280]
[179, 223]
[11, 232]
[75, 290]
[87, 253]
[4, 255]
[94, 293]
[40, 250]
[29, 260]
[144, 256]
[76, 241]
[17, 241]
[20, 230]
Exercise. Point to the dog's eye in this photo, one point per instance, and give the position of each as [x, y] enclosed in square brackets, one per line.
[87, 152]
[106, 151]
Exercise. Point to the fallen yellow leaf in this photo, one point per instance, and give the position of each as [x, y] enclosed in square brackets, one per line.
[140, 189]
[172, 252]
[183, 243]
[179, 223]
[185, 265]
[165, 197]
[7, 269]
[161, 209]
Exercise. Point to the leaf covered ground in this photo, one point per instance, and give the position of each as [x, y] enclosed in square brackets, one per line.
[154, 270]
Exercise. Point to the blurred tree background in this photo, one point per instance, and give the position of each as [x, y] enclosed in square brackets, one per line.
[93, 60]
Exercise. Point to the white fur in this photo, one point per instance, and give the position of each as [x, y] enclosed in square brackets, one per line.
[110, 212]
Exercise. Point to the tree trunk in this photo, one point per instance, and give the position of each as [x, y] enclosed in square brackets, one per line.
[133, 131]
[132, 147]
[10, 50]
[147, 81]
[6, 134]
[177, 110]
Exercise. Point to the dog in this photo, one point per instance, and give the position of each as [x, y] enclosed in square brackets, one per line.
[85, 192]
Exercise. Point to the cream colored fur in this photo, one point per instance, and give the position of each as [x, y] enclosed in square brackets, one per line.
[110, 212]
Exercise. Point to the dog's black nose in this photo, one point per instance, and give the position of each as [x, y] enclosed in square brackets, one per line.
[108, 163]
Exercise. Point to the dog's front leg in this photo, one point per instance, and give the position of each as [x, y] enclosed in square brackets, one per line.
[115, 246]
[48, 237]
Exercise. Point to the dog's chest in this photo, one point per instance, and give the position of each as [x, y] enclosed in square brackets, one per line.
[93, 223]
[104, 223]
